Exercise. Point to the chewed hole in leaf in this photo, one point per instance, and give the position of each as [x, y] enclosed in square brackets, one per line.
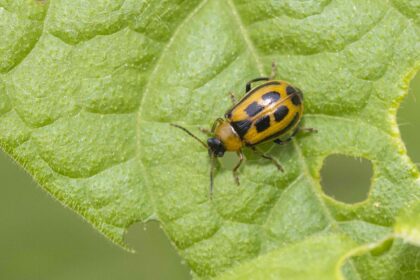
[346, 179]
[409, 120]
[149, 237]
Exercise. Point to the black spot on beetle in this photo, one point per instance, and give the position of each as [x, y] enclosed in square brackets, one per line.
[296, 99]
[262, 123]
[299, 92]
[291, 125]
[290, 90]
[241, 127]
[253, 109]
[271, 97]
[281, 113]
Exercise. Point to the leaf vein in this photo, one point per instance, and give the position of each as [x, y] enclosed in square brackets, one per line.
[246, 37]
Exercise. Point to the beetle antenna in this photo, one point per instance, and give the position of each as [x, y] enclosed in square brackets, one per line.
[190, 133]
[212, 166]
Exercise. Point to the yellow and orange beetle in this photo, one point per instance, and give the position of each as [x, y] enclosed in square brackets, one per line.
[271, 111]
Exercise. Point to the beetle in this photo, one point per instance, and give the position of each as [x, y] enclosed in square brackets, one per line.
[271, 111]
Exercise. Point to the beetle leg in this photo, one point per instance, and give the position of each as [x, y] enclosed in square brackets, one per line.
[305, 129]
[248, 85]
[205, 131]
[273, 160]
[235, 169]
[233, 97]
[282, 142]
[273, 71]
[308, 129]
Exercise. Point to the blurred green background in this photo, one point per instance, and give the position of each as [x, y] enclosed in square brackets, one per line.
[40, 239]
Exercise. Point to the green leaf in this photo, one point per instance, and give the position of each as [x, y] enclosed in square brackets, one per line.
[396, 256]
[408, 224]
[317, 259]
[88, 89]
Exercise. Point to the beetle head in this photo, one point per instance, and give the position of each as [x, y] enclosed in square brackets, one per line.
[216, 147]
